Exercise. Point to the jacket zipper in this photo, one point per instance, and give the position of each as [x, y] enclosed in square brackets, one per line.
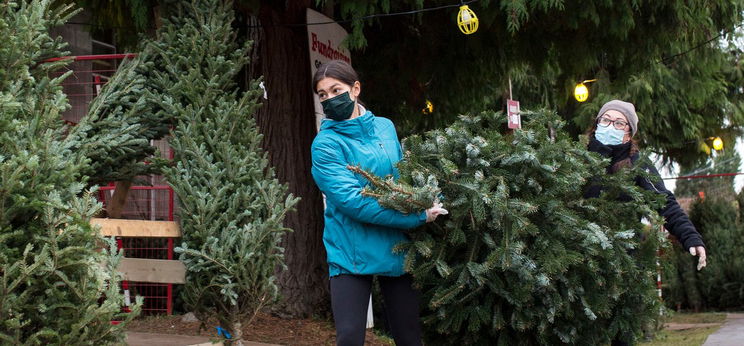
[652, 185]
[385, 154]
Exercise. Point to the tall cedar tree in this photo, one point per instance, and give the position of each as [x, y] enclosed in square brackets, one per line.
[523, 257]
[56, 286]
[673, 59]
[231, 205]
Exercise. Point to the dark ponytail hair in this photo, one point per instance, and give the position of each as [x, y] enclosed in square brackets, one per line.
[337, 69]
[624, 163]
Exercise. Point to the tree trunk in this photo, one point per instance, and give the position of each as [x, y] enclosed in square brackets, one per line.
[287, 122]
[236, 328]
[118, 200]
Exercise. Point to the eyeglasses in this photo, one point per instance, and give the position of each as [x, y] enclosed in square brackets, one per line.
[618, 123]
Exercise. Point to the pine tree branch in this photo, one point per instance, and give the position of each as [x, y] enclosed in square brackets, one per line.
[407, 200]
[386, 186]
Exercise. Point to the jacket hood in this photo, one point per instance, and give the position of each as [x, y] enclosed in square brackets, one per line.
[359, 127]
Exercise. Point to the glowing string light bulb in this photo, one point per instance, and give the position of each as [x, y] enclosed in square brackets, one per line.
[581, 92]
[466, 20]
[428, 108]
[717, 143]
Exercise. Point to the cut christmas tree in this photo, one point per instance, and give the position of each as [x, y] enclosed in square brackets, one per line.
[523, 257]
[231, 205]
[56, 285]
[116, 133]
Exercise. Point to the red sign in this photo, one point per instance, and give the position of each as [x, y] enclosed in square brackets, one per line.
[512, 111]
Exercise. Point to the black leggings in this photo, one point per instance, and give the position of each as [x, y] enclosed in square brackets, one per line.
[350, 299]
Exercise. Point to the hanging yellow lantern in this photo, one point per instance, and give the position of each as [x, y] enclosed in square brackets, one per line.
[428, 108]
[581, 92]
[717, 143]
[466, 20]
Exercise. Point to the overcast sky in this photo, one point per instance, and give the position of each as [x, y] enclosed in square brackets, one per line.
[674, 170]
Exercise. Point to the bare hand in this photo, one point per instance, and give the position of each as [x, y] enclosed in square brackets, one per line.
[700, 252]
[434, 211]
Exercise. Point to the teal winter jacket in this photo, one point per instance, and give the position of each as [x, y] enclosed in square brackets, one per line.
[359, 234]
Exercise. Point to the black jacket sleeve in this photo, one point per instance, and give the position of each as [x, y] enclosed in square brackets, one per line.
[676, 220]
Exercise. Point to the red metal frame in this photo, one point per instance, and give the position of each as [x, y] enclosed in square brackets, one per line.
[142, 203]
[124, 283]
[89, 73]
[158, 298]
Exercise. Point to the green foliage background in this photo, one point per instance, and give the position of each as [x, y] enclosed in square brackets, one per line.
[675, 60]
[666, 57]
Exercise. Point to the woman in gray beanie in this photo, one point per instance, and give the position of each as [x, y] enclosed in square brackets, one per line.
[612, 137]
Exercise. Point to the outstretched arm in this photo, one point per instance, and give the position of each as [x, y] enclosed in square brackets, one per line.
[676, 220]
[343, 189]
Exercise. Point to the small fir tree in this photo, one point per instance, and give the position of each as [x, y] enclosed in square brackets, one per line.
[523, 257]
[56, 286]
[231, 205]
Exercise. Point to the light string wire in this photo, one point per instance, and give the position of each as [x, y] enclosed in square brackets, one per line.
[376, 15]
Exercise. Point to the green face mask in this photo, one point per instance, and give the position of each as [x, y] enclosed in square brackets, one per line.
[338, 108]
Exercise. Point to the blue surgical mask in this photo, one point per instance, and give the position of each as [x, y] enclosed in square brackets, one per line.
[609, 135]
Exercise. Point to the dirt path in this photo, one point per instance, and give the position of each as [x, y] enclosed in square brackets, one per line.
[154, 339]
[683, 326]
[265, 328]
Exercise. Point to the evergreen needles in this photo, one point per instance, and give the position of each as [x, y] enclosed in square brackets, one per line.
[523, 258]
[231, 205]
[401, 197]
[56, 285]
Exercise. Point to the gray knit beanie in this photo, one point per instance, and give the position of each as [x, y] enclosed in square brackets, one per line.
[626, 108]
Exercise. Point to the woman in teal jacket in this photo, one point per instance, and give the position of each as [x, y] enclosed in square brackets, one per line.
[360, 234]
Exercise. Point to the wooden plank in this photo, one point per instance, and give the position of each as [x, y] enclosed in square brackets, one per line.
[153, 270]
[137, 228]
